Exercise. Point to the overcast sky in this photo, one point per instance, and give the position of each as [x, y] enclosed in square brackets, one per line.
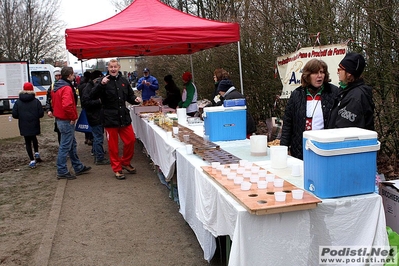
[78, 13]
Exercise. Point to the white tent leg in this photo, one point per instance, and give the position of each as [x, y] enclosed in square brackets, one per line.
[239, 63]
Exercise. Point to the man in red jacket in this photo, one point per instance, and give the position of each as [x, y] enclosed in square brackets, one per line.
[65, 113]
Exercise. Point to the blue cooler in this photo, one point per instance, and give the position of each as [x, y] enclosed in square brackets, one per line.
[225, 123]
[340, 162]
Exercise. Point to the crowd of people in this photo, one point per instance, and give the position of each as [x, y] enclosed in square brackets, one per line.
[316, 104]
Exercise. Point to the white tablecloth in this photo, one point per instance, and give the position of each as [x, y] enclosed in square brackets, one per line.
[291, 238]
[158, 146]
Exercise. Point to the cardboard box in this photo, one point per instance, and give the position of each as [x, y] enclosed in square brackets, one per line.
[340, 162]
[225, 123]
[389, 191]
[146, 109]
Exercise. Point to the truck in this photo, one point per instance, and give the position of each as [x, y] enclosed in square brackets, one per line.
[13, 74]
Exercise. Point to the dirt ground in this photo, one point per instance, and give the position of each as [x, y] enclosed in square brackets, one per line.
[101, 220]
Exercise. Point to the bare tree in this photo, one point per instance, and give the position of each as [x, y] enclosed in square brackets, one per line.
[30, 30]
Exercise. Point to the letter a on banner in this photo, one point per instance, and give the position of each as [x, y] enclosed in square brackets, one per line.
[290, 66]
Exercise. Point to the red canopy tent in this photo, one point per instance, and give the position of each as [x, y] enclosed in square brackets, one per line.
[149, 27]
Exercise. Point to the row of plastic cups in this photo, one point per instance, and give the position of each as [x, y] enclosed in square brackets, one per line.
[280, 196]
[263, 183]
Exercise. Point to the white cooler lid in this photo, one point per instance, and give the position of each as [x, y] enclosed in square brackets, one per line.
[339, 134]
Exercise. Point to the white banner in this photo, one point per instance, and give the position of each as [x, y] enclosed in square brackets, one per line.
[290, 66]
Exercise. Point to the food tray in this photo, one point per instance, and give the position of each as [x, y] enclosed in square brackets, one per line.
[261, 201]
[216, 155]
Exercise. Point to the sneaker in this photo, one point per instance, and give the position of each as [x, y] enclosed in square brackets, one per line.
[32, 164]
[68, 176]
[129, 168]
[103, 162]
[119, 175]
[84, 170]
[37, 158]
[89, 142]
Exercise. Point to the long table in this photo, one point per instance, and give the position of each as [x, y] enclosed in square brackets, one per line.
[291, 238]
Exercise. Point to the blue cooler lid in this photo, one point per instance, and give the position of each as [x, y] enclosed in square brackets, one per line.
[339, 134]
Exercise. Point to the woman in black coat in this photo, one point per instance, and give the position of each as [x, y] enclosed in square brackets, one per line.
[173, 94]
[309, 106]
[28, 110]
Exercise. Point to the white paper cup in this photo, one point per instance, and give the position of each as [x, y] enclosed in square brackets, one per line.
[169, 134]
[220, 167]
[248, 165]
[262, 173]
[240, 170]
[297, 194]
[245, 185]
[189, 149]
[278, 182]
[296, 170]
[279, 196]
[255, 169]
[175, 130]
[231, 176]
[270, 177]
[238, 180]
[234, 166]
[225, 171]
[262, 184]
[215, 164]
[247, 174]
[254, 178]
[243, 162]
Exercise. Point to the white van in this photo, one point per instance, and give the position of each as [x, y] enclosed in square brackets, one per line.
[41, 76]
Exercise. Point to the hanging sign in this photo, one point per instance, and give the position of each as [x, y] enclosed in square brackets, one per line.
[290, 66]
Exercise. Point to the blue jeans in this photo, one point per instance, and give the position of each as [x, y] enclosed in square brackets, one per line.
[67, 146]
[98, 141]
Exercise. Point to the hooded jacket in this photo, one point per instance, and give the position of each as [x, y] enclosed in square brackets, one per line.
[294, 120]
[353, 107]
[63, 100]
[114, 96]
[28, 110]
[92, 106]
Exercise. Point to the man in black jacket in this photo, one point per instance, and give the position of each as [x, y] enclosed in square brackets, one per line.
[114, 91]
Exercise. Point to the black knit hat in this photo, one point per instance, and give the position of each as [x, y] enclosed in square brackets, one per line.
[353, 63]
[168, 78]
[225, 85]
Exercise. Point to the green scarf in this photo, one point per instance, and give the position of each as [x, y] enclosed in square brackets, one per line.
[343, 85]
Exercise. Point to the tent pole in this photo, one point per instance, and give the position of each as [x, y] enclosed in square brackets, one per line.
[192, 68]
[239, 63]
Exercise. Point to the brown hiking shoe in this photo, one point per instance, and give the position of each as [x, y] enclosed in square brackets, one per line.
[130, 169]
[119, 175]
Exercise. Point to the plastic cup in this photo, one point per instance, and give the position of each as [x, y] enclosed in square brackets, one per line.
[189, 149]
[245, 185]
[234, 166]
[278, 182]
[262, 184]
[297, 194]
[247, 174]
[255, 169]
[254, 179]
[231, 176]
[220, 167]
[278, 156]
[296, 170]
[279, 196]
[248, 165]
[240, 170]
[238, 180]
[225, 171]
[262, 173]
[243, 162]
[175, 130]
[270, 177]
[215, 164]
